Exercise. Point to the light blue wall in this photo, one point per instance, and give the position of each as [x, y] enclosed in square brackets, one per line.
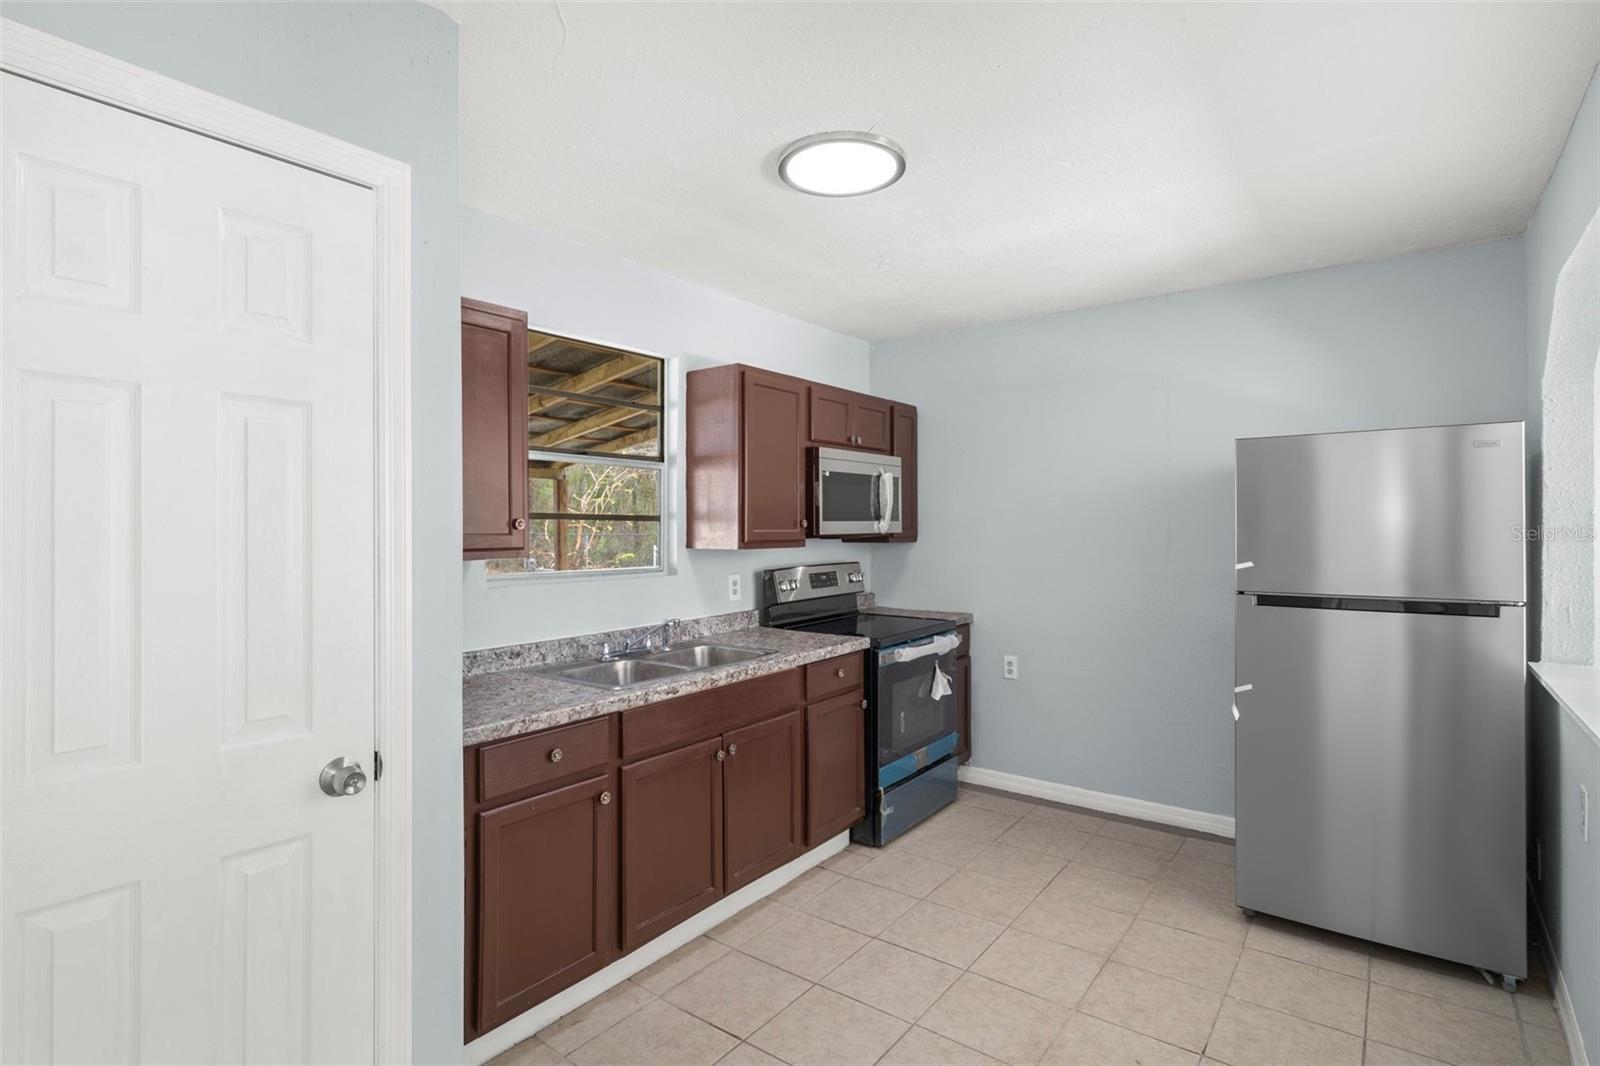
[575, 291]
[1077, 488]
[1570, 200]
[382, 76]
[1562, 755]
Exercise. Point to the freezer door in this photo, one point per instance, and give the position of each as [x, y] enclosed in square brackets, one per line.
[1379, 765]
[1425, 514]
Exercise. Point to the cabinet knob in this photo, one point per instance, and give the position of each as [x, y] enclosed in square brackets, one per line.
[733, 749]
[721, 755]
[804, 523]
[555, 754]
[605, 799]
[519, 523]
[863, 705]
[839, 672]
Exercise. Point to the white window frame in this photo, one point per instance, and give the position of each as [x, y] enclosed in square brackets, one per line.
[667, 494]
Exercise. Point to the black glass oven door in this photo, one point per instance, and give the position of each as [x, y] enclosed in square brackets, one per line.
[909, 715]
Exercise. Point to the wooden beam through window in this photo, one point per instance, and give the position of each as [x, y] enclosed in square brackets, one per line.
[573, 430]
[623, 443]
[588, 380]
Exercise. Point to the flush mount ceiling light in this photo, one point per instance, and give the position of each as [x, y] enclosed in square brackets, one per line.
[843, 163]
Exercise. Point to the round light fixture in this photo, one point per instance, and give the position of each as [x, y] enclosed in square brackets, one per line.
[843, 163]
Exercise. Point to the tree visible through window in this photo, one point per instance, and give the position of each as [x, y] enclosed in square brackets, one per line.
[595, 459]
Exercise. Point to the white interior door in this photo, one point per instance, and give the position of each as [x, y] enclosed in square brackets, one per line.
[187, 522]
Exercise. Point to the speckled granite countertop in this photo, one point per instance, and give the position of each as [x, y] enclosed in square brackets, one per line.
[506, 703]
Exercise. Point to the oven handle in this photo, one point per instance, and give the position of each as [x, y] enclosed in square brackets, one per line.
[942, 644]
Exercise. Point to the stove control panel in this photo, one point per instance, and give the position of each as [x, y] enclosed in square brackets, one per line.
[812, 582]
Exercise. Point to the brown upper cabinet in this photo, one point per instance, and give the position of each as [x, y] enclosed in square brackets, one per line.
[494, 448]
[746, 463]
[849, 419]
[904, 436]
[747, 431]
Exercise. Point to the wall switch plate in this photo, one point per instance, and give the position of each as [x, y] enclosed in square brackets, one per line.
[735, 588]
[1009, 668]
[1583, 811]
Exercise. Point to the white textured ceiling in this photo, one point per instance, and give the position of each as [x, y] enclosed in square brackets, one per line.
[1058, 155]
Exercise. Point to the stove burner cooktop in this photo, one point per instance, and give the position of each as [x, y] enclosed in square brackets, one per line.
[881, 629]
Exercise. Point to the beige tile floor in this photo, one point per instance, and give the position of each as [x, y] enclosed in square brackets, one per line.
[1004, 930]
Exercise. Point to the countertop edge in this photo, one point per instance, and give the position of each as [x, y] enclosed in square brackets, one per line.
[597, 703]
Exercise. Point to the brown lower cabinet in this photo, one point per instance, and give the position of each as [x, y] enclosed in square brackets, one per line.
[547, 882]
[964, 695]
[763, 788]
[576, 857]
[836, 754]
[671, 839]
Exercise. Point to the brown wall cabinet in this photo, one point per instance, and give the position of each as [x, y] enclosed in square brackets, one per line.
[587, 840]
[745, 437]
[849, 419]
[747, 431]
[494, 430]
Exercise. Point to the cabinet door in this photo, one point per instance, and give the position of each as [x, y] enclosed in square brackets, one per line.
[671, 839]
[494, 430]
[836, 766]
[547, 905]
[871, 420]
[830, 416]
[964, 710]
[905, 446]
[763, 793]
[774, 443]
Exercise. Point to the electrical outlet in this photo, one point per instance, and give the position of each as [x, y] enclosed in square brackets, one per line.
[1009, 668]
[1583, 811]
[735, 588]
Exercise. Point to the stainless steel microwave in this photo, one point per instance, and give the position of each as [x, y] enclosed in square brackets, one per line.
[855, 493]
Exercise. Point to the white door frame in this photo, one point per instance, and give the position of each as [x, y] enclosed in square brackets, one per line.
[62, 64]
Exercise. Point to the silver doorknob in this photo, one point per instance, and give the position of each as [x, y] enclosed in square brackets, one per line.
[341, 777]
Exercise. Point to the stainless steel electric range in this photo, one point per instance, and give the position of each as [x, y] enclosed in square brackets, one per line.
[913, 705]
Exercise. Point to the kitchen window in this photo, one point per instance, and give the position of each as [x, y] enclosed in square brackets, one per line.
[596, 461]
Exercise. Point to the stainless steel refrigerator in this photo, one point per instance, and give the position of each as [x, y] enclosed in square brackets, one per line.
[1379, 665]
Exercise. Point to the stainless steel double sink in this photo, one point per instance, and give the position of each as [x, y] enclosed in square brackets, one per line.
[656, 666]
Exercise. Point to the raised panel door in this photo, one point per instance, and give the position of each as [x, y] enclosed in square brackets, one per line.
[904, 445]
[494, 430]
[836, 766]
[671, 839]
[189, 631]
[871, 420]
[546, 895]
[830, 416]
[964, 707]
[773, 445]
[763, 793]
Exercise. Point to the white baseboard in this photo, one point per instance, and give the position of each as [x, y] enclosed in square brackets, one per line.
[1109, 803]
[532, 1020]
[1558, 990]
